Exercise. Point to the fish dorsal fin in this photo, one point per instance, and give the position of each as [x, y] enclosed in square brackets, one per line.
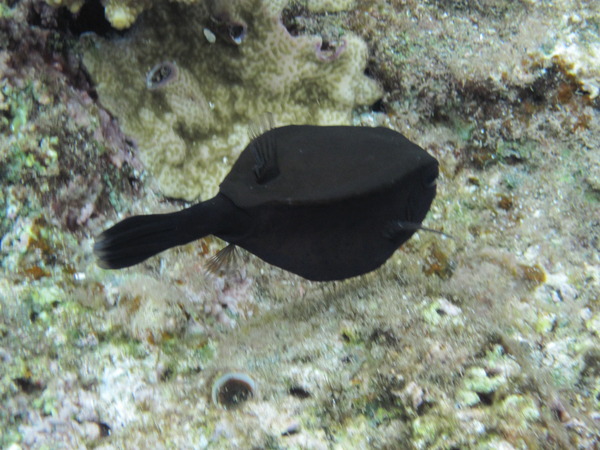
[266, 166]
[264, 123]
[264, 150]
[222, 260]
[398, 227]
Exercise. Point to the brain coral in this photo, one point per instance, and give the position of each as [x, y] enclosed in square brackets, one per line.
[188, 102]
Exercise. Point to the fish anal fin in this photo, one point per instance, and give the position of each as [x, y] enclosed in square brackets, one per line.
[222, 260]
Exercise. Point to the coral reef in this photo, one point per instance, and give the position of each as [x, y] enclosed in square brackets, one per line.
[578, 48]
[120, 13]
[190, 124]
[123, 13]
[486, 340]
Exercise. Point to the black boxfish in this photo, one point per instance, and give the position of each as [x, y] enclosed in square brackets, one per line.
[323, 202]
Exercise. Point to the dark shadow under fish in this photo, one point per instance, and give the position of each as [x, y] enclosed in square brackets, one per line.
[326, 203]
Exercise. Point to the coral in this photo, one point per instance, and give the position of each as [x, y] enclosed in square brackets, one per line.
[191, 124]
[120, 13]
[72, 5]
[329, 5]
[479, 384]
[578, 49]
[42, 165]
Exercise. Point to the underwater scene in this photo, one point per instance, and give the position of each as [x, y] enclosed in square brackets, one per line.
[300, 224]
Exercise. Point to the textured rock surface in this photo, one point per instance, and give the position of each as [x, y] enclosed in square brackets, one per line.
[123, 13]
[189, 129]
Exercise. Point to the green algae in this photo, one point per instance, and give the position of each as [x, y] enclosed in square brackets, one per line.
[432, 432]
[442, 313]
[523, 409]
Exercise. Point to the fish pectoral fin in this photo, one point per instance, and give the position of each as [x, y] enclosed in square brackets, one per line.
[397, 228]
[222, 260]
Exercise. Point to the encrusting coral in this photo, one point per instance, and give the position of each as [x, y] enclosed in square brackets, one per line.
[187, 97]
[120, 13]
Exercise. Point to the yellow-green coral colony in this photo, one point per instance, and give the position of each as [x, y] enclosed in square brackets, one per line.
[187, 100]
[326, 203]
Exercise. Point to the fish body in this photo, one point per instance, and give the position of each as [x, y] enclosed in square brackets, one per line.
[326, 203]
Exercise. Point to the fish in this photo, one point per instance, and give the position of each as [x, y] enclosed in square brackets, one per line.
[323, 202]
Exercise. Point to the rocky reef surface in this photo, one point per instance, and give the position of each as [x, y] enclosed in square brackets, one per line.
[188, 79]
[486, 340]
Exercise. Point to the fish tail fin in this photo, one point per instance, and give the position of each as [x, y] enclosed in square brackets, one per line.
[137, 238]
